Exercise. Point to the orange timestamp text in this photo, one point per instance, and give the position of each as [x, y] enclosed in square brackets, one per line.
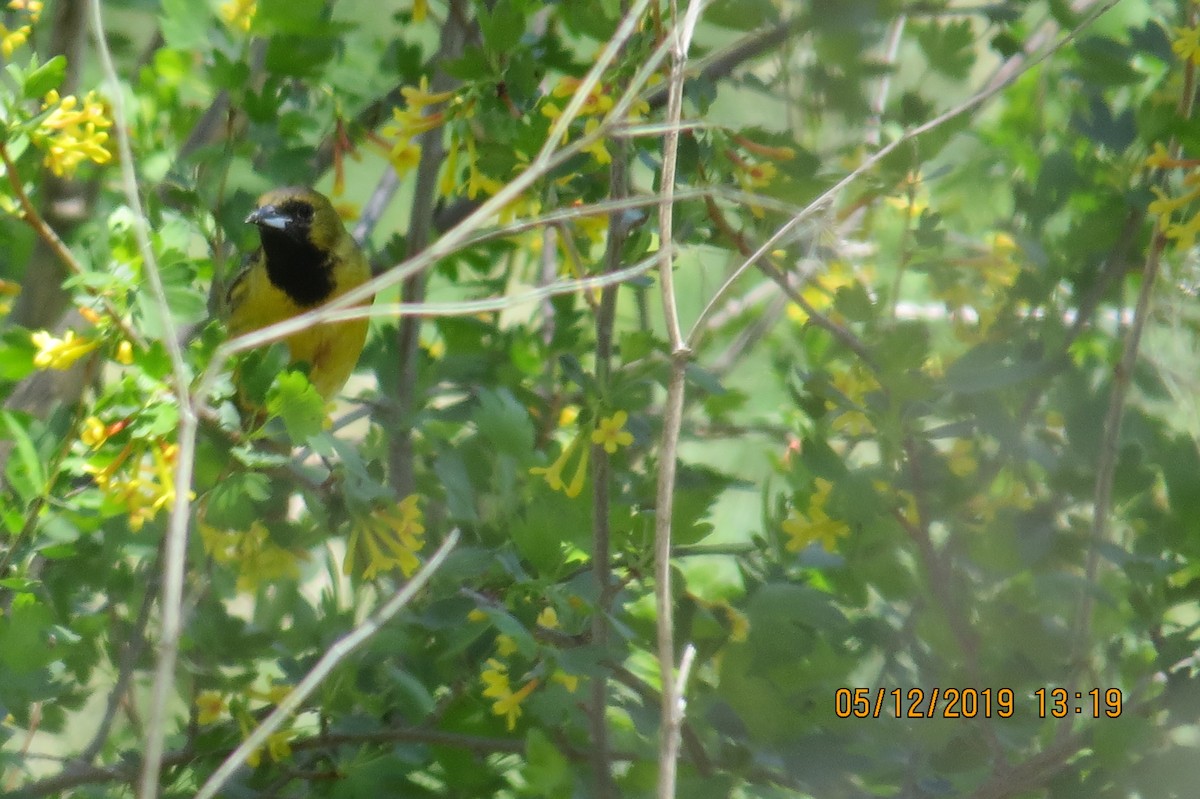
[970, 703]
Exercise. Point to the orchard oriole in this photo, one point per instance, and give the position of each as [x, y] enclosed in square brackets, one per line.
[307, 258]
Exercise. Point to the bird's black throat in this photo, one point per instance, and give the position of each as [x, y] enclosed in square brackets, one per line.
[297, 267]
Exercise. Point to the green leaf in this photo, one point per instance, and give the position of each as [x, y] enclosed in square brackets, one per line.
[505, 423]
[988, 367]
[185, 24]
[294, 400]
[503, 28]
[547, 772]
[25, 471]
[46, 77]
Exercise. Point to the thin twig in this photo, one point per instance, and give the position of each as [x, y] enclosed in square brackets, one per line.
[175, 549]
[670, 717]
[30, 215]
[827, 196]
[342, 649]
[1106, 465]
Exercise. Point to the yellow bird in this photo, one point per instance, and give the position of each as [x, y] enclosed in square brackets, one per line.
[307, 258]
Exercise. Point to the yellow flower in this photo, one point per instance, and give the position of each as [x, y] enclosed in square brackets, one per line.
[407, 123]
[510, 706]
[597, 101]
[1184, 233]
[211, 706]
[753, 176]
[495, 679]
[258, 559]
[611, 432]
[238, 14]
[94, 432]
[553, 472]
[70, 134]
[420, 10]
[505, 645]
[404, 156]
[420, 97]
[548, 618]
[1187, 44]
[54, 353]
[596, 149]
[12, 40]
[125, 353]
[1159, 158]
[804, 529]
[389, 538]
[477, 615]
[568, 681]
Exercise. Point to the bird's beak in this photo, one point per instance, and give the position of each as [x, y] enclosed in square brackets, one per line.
[268, 216]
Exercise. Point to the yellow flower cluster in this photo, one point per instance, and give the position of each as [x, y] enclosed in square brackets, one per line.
[73, 132]
[11, 40]
[211, 707]
[388, 538]
[258, 559]
[597, 103]
[60, 353]
[609, 432]
[141, 478]
[410, 122]
[497, 686]
[814, 525]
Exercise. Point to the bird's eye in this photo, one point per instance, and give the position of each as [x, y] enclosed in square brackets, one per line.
[304, 212]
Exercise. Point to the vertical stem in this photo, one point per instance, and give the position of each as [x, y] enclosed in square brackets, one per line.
[671, 710]
[408, 335]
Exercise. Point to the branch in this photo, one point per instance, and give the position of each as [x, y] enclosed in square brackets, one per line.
[336, 654]
[671, 709]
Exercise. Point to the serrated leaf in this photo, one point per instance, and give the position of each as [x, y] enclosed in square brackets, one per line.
[294, 400]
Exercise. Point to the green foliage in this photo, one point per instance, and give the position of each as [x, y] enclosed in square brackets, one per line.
[943, 440]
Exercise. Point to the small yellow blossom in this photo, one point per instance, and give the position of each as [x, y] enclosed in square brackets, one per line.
[11, 41]
[477, 615]
[753, 176]
[420, 96]
[1159, 158]
[597, 101]
[1187, 44]
[548, 619]
[389, 538]
[210, 706]
[404, 156]
[497, 686]
[54, 353]
[596, 149]
[568, 681]
[238, 14]
[278, 747]
[804, 529]
[505, 645]
[1184, 233]
[94, 432]
[125, 353]
[611, 432]
[420, 10]
[553, 472]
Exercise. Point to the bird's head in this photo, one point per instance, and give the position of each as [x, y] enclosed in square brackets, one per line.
[299, 213]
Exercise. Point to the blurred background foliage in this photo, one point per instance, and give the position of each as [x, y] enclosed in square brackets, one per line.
[942, 437]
